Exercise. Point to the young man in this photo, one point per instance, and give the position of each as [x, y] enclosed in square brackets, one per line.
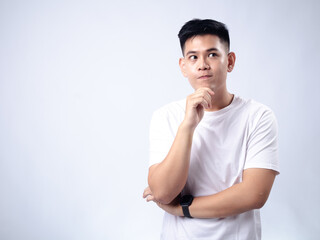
[213, 155]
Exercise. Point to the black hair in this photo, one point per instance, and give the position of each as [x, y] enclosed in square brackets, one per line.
[200, 27]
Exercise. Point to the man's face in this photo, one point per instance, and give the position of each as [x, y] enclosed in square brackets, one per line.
[206, 62]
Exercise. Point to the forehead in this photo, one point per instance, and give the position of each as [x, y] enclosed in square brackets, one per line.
[203, 42]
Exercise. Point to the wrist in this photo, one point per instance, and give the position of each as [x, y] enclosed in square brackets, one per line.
[185, 203]
[187, 127]
[179, 212]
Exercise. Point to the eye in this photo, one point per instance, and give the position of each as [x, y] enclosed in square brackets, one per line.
[193, 57]
[213, 55]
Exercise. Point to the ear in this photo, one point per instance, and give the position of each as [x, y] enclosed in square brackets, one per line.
[182, 65]
[231, 61]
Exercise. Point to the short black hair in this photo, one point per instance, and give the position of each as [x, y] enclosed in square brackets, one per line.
[200, 27]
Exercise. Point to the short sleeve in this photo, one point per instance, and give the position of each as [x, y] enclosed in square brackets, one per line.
[262, 145]
[161, 137]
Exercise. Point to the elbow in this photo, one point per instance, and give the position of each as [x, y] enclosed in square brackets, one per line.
[162, 196]
[259, 201]
[160, 193]
[255, 199]
[259, 204]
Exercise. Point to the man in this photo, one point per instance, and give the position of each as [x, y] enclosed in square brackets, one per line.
[213, 155]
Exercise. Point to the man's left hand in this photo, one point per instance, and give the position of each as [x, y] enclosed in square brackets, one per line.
[173, 208]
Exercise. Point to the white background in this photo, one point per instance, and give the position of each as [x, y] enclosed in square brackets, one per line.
[79, 81]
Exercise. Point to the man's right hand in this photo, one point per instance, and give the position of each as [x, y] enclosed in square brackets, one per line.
[168, 178]
[196, 103]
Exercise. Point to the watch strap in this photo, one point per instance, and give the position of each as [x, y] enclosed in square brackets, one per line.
[186, 212]
[185, 202]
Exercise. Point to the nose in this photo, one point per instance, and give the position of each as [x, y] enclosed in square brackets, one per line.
[203, 64]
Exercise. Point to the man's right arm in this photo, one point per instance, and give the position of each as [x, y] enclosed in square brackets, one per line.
[167, 178]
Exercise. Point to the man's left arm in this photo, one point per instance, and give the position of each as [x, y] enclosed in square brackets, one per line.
[251, 193]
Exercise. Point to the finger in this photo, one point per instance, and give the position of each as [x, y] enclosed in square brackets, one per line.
[147, 192]
[208, 98]
[201, 100]
[209, 90]
[203, 94]
[205, 104]
[200, 93]
[150, 198]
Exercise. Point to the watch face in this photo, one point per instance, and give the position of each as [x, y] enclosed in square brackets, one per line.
[186, 200]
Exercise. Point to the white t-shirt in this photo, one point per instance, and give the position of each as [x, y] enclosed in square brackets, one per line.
[240, 136]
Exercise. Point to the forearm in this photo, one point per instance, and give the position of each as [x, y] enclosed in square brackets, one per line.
[251, 193]
[167, 179]
[232, 201]
[226, 203]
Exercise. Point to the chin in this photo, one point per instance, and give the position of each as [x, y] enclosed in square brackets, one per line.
[211, 86]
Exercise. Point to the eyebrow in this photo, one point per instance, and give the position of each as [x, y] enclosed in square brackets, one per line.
[208, 50]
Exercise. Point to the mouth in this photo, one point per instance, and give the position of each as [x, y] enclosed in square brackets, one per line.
[205, 77]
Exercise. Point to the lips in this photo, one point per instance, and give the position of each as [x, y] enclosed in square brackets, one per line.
[205, 76]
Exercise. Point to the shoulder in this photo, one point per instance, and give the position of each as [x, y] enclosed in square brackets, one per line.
[255, 110]
[259, 117]
[173, 109]
[168, 117]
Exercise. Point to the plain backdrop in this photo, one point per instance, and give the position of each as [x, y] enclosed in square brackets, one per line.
[79, 81]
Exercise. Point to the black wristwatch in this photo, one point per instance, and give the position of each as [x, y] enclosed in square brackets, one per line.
[185, 202]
